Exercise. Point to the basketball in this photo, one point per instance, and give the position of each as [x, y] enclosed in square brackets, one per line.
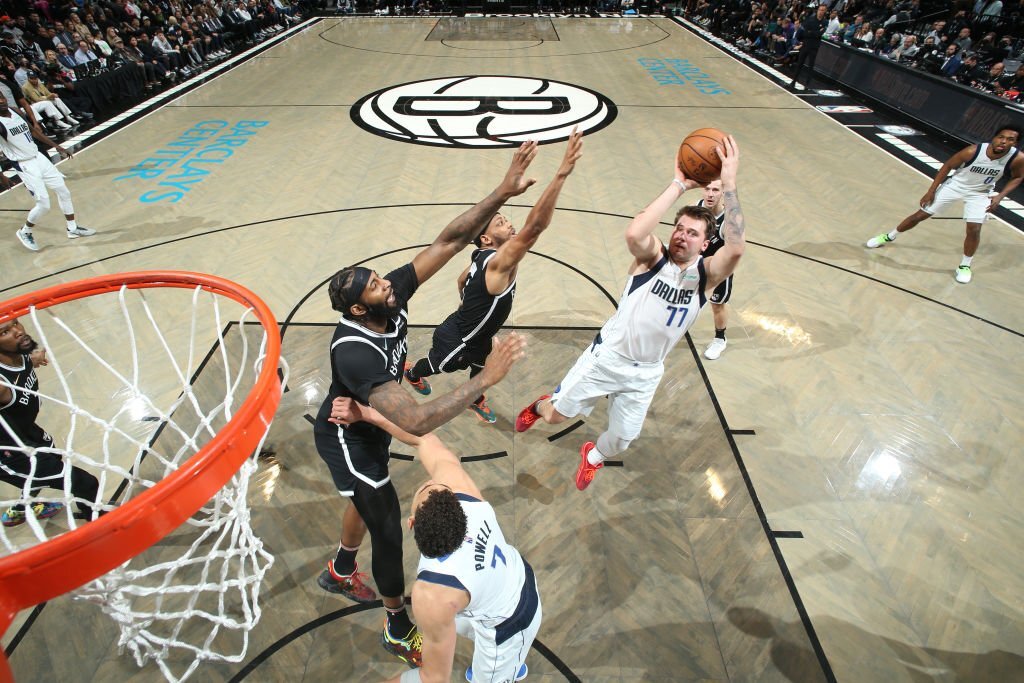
[697, 158]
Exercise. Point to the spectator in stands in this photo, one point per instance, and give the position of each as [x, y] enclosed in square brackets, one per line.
[963, 39]
[1014, 81]
[885, 48]
[65, 57]
[21, 73]
[152, 71]
[906, 51]
[951, 66]
[834, 25]
[85, 56]
[63, 36]
[853, 29]
[864, 36]
[36, 91]
[970, 71]
[173, 57]
[938, 30]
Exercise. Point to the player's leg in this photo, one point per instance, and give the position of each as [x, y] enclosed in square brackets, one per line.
[975, 213]
[718, 299]
[382, 514]
[54, 180]
[944, 196]
[627, 410]
[341, 575]
[480, 407]
[30, 474]
[445, 344]
[575, 395]
[499, 654]
[33, 181]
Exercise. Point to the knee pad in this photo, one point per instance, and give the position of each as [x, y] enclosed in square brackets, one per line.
[40, 209]
[610, 445]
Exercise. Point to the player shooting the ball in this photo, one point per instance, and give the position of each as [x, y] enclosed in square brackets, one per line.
[667, 286]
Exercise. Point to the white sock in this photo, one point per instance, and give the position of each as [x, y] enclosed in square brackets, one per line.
[893, 234]
[966, 261]
[594, 457]
[27, 229]
[72, 225]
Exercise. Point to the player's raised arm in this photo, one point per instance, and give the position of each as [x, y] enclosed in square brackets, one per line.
[461, 231]
[512, 252]
[640, 238]
[723, 263]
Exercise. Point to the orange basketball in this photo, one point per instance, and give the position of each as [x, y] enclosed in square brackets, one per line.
[697, 157]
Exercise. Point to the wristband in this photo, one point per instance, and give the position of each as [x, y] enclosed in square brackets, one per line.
[679, 182]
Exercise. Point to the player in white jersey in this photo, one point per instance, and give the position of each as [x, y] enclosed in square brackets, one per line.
[18, 144]
[667, 286]
[470, 581]
[976, 170]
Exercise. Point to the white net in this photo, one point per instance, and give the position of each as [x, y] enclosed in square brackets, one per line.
[132, 385]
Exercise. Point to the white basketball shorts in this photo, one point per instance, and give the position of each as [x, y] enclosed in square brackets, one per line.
[975, 203]
[600, 372]
[495, 662]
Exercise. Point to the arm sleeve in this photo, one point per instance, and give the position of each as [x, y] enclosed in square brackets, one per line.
[358, 367]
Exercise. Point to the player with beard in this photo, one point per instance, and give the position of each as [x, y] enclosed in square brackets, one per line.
[969, 175]
[368, 353]
[28, 458]
[666, 288]
[487, 287]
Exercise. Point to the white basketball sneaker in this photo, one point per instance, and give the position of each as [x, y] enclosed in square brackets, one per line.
[715, 348]
[878, 240]
[963, 274]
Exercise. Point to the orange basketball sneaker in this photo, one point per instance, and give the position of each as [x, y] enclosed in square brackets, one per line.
[585, 472]
[528, 415]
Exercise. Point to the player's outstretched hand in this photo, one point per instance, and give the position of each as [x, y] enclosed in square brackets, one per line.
[573, 151]
[729, 153]
[688, 183]
[515, 183]
[504, 354]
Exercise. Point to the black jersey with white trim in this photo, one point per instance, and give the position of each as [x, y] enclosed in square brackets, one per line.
[715, 240]
[362, 359]
[481, 314]
[21, 411]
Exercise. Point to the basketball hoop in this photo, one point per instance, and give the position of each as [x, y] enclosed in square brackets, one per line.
[139, 412]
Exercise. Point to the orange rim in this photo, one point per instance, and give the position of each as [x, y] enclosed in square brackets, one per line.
[57, 566]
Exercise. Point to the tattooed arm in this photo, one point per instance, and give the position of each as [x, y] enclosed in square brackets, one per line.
[723, 263]
[398, 405]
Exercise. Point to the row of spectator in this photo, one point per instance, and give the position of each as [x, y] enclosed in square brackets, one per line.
[62, 43]
[979, 46]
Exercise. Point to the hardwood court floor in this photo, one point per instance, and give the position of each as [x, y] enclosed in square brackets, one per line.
[866, 412]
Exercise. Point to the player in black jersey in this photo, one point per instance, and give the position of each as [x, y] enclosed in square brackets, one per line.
[712, 199]
[367, 358]
[487, 287]
[28, 458]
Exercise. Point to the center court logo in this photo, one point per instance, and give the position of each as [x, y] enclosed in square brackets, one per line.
[482, 111]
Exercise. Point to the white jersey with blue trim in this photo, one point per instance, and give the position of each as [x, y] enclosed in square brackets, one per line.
[655, 310]
[485, 566]
[981, 173]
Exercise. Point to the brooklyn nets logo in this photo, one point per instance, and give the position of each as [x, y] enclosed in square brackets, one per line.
[482, 111]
